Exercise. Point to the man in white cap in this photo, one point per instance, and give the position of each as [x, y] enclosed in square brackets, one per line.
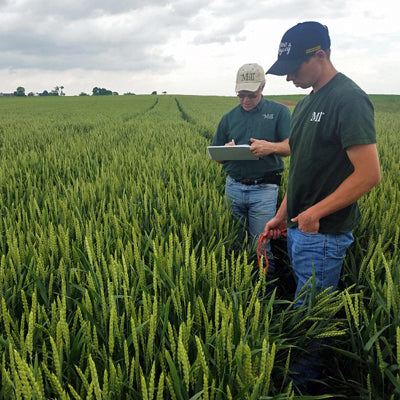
[252, 186]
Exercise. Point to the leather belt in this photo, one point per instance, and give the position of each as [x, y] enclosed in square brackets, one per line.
[272, 179]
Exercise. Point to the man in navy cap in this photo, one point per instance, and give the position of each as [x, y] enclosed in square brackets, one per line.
[334, 159]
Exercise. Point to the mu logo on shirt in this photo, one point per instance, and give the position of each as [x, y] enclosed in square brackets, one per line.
[268, 116]
[316, 116]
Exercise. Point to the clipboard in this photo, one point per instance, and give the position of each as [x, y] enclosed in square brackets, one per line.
[231, 153]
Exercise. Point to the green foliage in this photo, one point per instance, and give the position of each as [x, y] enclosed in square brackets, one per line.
[20, 92]
[101, 92]
[385, 103]
[121, 276]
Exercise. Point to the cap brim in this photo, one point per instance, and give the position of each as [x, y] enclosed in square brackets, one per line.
[247, 86]
[284, 67]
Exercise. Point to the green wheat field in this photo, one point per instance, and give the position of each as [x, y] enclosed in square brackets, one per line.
[121, 276]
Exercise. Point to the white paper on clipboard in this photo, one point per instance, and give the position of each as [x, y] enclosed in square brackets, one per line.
[229, 153]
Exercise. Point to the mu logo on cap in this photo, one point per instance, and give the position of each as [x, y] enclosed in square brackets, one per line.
[284, 48]
[248, 76]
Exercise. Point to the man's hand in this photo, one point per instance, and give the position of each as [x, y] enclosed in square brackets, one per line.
[307, 222]
[274, 228]
[261, 147]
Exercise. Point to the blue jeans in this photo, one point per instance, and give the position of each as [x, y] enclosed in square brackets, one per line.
[324, 252]
[254, 206]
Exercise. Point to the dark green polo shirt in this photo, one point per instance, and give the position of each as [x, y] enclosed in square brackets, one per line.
[323, 125]
[269, 121]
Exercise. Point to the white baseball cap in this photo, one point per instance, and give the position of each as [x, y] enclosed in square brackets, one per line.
[250, 77]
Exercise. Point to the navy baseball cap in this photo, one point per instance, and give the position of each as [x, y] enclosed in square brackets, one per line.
[298, 44]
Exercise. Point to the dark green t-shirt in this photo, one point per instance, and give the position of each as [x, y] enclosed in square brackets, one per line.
[269, 121]
[323, 125]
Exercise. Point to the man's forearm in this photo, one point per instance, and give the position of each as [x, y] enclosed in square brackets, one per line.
[365, 176]
[281, 148]
[282, 210]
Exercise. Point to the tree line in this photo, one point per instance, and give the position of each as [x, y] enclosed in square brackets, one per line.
[58, 91]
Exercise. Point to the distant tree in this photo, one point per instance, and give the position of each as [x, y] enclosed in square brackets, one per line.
[20, 92]
[57, 91]
[164, 92]
[31, 94]
[155, 92]
[129, 94]
[101, 92]
[115, 93]
[83, 94]
[44, 93]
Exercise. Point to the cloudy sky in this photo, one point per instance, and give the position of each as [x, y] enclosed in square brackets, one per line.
[185, 46]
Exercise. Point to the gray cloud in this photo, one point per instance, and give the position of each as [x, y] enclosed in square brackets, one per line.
[234, 19]
[138, 41]
[91, 34]
[122, 35]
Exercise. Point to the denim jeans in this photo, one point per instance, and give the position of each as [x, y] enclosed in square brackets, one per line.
[324, 252]
[254, 206]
